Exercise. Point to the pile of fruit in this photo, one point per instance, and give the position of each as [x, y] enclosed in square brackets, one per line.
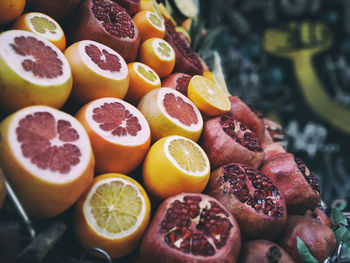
[222, 188]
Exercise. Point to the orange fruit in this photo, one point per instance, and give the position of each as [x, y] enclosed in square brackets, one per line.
[149, 25]
[47, 158]
[169, 112]
[42, 25]
[159, 55]
[33, 71]
[146, 5]
[175, 164]
[112, 214]
[98, 71]
[120, 135]
[210, 99]
[10, 10]
[142, 79]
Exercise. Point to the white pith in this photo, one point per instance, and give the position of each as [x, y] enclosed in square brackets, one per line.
[156, 44]
[47, 34]
[148, 15]
[91, 220]
[14, 60]
[142, 135]
[147, 68]
[174, 162]
[194, 126]
[121, 74]
[82, 143]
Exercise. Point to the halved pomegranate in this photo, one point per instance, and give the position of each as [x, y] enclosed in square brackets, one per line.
[271, 149]
[107, 23]
[226, 140]
[178, 81]
[191, 228]
[273, 131]
[252, 199]
[297, 184]
[131, 6]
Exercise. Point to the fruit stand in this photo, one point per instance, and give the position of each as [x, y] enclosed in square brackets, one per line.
[123, 138]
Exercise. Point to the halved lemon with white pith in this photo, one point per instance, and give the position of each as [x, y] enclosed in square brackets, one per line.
[42, 25]
[175, 164]
[207, 96]
[112, 214]
[159, 55]
[149, 25]
[142, 79]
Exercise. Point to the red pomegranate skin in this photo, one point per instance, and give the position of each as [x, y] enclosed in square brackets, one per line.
[300, 196]
[273, 131]
[222, 149]
[178, 81]
[87, 26]
[263, 251]
[157, 243]
[186, 60]
[56, 9]
[131, 6]
[271, 149]
[318, 237]
[318, 214]
[243, 113]
[236, 186]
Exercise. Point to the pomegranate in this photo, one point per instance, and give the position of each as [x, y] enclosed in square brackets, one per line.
[187, 60]
[226, 140]
[53, 8]
[246, 115]
[271, 149]
[131, 6]
[318, 237]
[297, 184]
[178, 81]
[252, 199]
[191, 227]
[107, 23]
[263, 251]
[273, 131]
[318, 214]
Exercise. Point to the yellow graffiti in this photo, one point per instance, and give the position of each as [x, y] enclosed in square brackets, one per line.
[300, 42]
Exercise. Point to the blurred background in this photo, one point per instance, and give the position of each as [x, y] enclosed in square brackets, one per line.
[289, 59]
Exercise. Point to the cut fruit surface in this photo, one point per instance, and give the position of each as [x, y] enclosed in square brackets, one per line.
[112, 214]
[33, 71]
[207, 96]
[46, 155]
[98, 71]
[186, 7]
[175, 164]
[142, 80]
[119, 134]
[169, 112]
[42, 25]
[159, 55]
[149, 25]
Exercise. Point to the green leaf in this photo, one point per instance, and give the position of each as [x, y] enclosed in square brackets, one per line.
[341, 206]
[337, 217]
[346, 250]
[342, 234]
[304, 252]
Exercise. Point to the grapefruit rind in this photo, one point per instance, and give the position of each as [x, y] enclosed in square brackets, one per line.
[46, 175]
[142, 136]
[159, 45]
[175, 162]
[138, 65]
[121, 74]
[92, 221]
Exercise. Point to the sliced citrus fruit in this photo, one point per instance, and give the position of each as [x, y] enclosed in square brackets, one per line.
[42, 25]
[32, 71]
[207, 96]
[46, 156]
[159, 55]
[98, 71]
[112, 214]
[149, 25]
[142, 79]
[10, 10]
[175, 164]
[169, 112]
[120, 135]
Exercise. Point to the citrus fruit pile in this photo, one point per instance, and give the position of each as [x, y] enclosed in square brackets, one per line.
[105, 106]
